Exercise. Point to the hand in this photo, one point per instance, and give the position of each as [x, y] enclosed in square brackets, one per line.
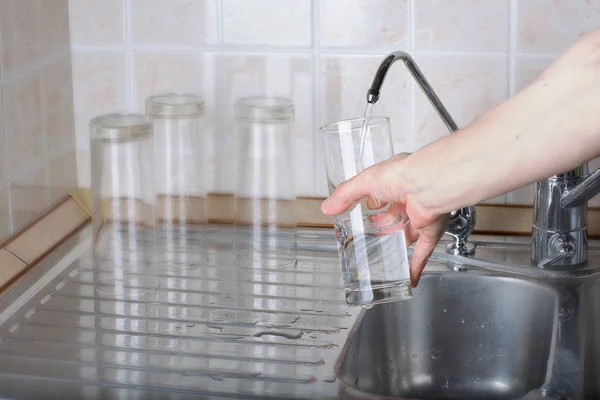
[387, 183]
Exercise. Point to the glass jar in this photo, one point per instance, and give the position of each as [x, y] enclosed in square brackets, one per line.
[124, 241]
[264, 197]
[180, 178]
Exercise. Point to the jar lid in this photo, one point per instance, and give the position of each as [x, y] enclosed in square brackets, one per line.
[120, 127]
[265, 109]
[175, 105]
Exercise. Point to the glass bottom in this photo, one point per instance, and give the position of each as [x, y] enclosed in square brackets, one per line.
[254, 258]
[181, 258]
[125, 284]
[380, 293]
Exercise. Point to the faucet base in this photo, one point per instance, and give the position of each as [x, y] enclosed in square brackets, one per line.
[460, 248]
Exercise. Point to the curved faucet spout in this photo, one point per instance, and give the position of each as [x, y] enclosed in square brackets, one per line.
[462, 222]
[374, 92]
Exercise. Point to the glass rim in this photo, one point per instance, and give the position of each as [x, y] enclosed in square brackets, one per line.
[175, 105]
[333, 127]
[274, 109]
[133, 126]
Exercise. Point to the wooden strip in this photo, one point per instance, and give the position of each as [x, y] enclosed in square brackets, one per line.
[491, 219]
[45, 234]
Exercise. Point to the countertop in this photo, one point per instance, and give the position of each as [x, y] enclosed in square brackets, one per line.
[214, 331]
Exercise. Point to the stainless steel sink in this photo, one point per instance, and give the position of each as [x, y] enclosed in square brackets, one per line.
[462, 336]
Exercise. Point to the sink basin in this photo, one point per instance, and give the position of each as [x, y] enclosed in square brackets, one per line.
[460, 337]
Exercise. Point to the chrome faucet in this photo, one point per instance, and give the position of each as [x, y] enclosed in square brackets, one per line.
[560, 218]
[461, 222]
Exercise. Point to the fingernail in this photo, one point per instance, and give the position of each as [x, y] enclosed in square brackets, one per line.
[326, 205]
[373, 204]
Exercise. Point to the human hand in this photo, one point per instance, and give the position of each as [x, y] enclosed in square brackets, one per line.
[387, 183]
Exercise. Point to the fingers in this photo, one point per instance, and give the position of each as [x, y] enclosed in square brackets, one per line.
[421, 253]
[347, 193]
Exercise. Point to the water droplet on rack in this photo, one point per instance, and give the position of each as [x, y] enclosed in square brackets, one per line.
[436, 354]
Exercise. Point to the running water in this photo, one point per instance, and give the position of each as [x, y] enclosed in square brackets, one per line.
[363, 136]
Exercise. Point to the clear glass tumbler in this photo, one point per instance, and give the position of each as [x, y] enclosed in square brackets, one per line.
[371, 242]
[264, 200]
[124, 242]
[180, 180]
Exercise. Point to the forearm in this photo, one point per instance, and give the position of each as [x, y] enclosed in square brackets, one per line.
[548, 128]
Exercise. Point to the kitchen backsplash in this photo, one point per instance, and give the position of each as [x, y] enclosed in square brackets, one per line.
[322, 54]
[38, 164]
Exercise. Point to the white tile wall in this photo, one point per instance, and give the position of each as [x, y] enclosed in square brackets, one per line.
[363, 23]
[321, 53]
[462, 25]
[37, 146]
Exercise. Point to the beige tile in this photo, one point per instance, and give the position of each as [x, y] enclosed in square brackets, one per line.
[190, 72]
[20, 22]
[549, 27]
[462, 25]
[173, 22]
[267, 22]
[380, 23]
[98, 23]
[503, 220]
[10, 266]
[500, 200]
[49, 231]
[62, 175]
[5, 228]
[594, 165]
[274, 75]
[58, 104]
[522, 196]
[467, 85]
[55, 34]
[24, 124]
[101, 87]
[160, 72]
[2, 141]
[527, 69]
[29, 196]
[83, 168]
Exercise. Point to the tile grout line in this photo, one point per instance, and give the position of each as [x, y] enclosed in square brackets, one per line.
[44, 115]
[512, 45]
[131, 86]
[316, 93]
[350, 51]
[220, 106]
[11, 222]
[412, 96]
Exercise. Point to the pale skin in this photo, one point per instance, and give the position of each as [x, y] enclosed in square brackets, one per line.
[551, 126]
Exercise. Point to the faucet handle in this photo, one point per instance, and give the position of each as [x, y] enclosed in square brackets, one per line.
[565, 247]
[583, 192]
[461, 224]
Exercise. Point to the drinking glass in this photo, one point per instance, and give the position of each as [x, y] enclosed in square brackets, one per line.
[371, 242]
[179, 146]
[264, 199]
[124, 242]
